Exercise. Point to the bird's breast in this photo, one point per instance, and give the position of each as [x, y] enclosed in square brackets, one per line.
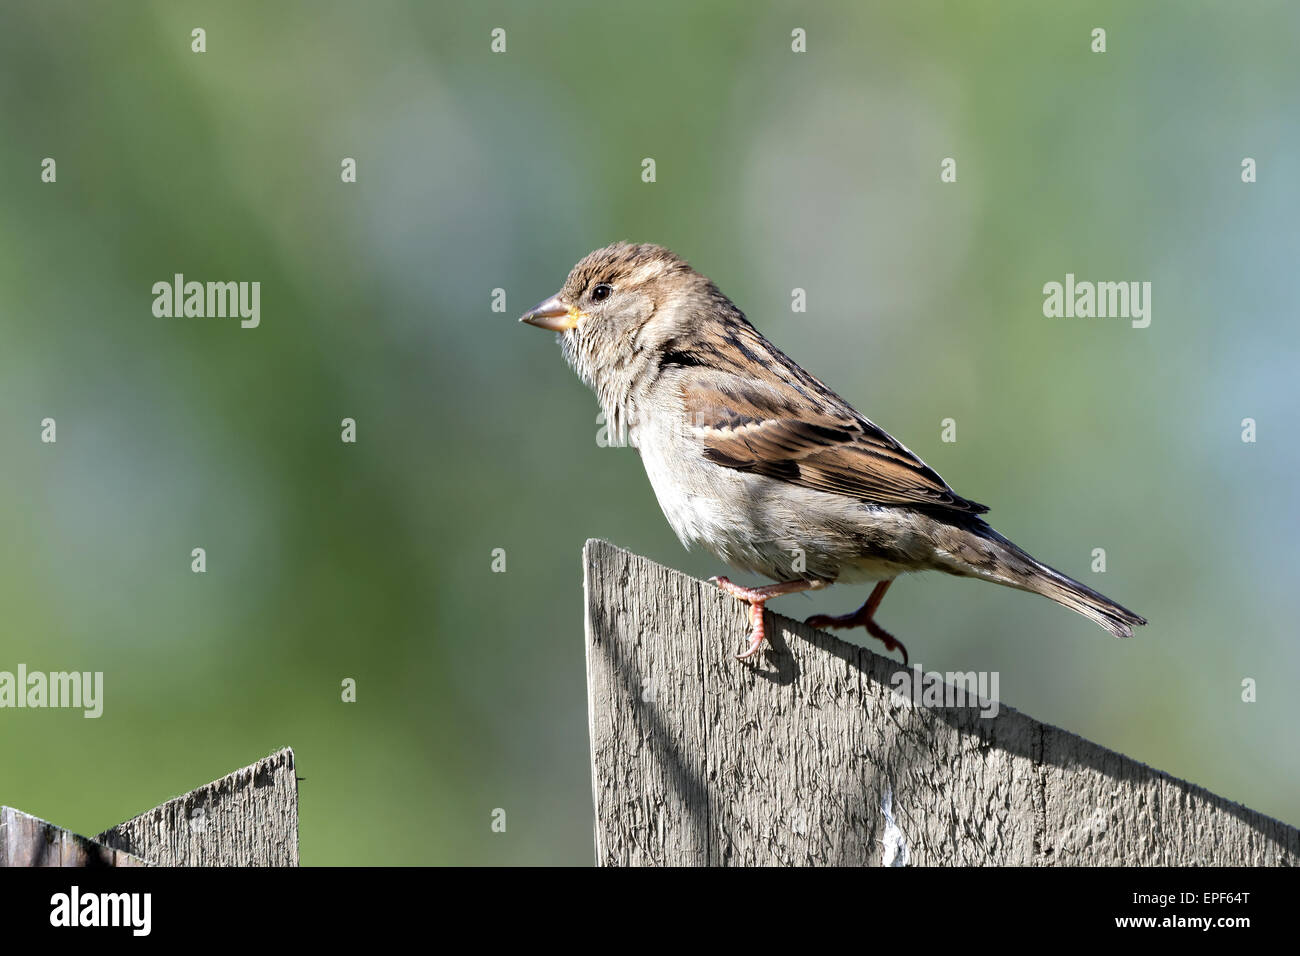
[744, 520]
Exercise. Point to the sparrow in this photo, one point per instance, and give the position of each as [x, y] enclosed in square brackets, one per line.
[760, 463]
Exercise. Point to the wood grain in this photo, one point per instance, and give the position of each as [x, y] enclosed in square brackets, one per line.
[247, 818]
[26, 840]
[793, 759]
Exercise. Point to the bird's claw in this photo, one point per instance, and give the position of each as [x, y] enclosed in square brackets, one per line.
[860, 618]
[757, 633]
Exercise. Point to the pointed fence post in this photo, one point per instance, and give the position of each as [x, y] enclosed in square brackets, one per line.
[247, 818]
[815, 755]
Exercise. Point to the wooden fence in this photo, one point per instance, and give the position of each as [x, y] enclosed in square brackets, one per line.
[247, 818]
[811, 756]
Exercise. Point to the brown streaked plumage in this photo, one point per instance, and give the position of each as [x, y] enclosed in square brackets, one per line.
[748, 422]
[758, 461]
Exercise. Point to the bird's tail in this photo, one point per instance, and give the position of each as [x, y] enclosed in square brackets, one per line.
[984, 553]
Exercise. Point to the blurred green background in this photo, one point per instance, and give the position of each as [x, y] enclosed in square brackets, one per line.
[478, 171]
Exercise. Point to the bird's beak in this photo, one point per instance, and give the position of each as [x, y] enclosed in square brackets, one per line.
[552, 314]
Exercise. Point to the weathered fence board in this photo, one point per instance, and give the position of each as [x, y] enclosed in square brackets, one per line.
[247, 818]
[26, 840]
[810, 756]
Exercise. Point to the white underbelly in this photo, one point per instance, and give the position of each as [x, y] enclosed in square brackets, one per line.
[763, 525]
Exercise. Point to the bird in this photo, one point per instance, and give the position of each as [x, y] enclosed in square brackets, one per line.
[760, 463]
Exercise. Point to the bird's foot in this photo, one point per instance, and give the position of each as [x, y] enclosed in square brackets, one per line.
[823, 621]
[863, 617]
[756, 598]
[891, 643]
[756, 632]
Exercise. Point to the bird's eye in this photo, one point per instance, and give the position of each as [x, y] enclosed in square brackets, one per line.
[602, 292]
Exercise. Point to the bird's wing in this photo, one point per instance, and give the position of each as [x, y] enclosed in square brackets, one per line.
[777, 420]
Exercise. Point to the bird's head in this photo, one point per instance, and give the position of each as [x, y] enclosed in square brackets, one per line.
[616, 309]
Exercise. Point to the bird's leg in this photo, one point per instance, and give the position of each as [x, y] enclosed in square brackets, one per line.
[864, 617]
[756, 598]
